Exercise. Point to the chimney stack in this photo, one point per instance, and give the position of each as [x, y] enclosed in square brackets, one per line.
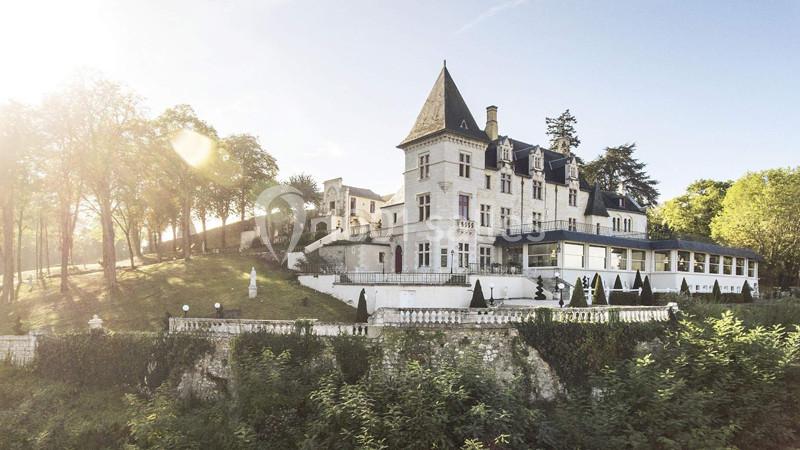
[491, 122]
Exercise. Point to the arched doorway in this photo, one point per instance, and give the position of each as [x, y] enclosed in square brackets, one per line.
[322, 226]
[398, 259]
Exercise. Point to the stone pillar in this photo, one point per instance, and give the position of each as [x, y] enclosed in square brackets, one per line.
[252, 289]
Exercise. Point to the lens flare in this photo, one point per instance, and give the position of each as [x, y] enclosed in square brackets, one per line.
[192, 147]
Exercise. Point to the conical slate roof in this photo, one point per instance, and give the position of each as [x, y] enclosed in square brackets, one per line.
[596, 206]
[444, 109]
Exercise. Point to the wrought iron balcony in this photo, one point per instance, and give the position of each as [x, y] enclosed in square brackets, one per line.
[565, 225]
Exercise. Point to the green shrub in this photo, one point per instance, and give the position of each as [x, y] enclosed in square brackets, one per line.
[131, 359]
[747, 293]
[578, 350]
[477, 296]
[361, 312]
[716, 292]
[647, 298]
[599, 294]
[685, 288]
[637, 282]
[419, 407]
[720, 386]
[624, 298]
[578, 299]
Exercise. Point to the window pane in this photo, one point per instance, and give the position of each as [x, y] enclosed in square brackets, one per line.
[683, 261]
[597, 257]
[699, 262]
[638, 260]
[573, 255]
[619, 259]
[713, 264]
[751, 268]
[727, 265]
[740, 266]
[662, 261]
[542, 255]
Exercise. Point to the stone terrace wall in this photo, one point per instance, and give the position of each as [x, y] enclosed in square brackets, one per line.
[20, 350]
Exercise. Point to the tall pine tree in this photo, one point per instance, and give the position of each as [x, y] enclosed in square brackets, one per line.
[562, 129]
[618, 166]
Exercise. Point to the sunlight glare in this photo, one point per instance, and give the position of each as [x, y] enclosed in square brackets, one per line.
[192, 147]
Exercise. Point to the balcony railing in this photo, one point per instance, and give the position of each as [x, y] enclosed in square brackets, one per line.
[432, 279]
[465, 225]
[565, 225]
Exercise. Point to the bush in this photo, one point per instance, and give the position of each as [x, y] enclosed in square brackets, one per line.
[624, 298]
[477, 296]
[578, 299]
[747, 293]
[685, 288]
[599, 294]
[637, 282]
[720, 386]
[447, 406]
[361, 312]
[578, 350]
[131, 359]
[539, 289]
[647, 298]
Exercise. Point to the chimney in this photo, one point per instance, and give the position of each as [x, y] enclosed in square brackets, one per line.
[491, 122]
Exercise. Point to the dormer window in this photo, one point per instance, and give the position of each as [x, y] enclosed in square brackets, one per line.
[464, 125]
[622, 202]
[573, 171]
[537, 161]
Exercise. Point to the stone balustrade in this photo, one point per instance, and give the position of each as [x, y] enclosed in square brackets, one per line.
[399, 317]
[19, 350]
[238, 326]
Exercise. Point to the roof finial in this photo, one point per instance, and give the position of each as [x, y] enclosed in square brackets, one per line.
[445, 63]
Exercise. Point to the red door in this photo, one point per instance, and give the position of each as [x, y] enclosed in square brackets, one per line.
[398, 259]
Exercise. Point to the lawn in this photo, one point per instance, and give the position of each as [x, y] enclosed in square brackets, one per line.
[151, 290]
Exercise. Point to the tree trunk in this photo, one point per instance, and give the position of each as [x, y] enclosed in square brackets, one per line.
[73, 221]
[8, 249]
[66, 242]
[174, 238]
[156, 240]
[224, 219]
[205, 238]
[136, 231]
[187, 226]
[37, 254]
[19, 250]
[46, 250]
[130, 248]
[109, 250]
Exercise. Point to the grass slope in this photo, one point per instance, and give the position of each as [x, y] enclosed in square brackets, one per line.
[151, 290]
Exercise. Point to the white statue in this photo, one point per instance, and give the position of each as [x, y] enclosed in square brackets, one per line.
[253, 289]
[96, 323]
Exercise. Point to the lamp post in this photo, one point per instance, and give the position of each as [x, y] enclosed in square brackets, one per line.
[218, 308]
[561, 287]
[185, 309]
[452, 256]
[491, 294]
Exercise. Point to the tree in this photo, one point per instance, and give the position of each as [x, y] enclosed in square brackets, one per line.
[599, 294]
[685, 288]
[254, 169]
[647, 298]
[562, 129]
[617, 292]
[18, 139]
[716, 292]
[617, 167]
[539, 289]
[747, 293]
[308, 188]
[578, 299]
[637, 282]
[186, 145]
[760, 212]
[361, 312]
[477, 297]
[692, 212]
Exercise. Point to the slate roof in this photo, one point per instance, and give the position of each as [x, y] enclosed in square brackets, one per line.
[444, 110]
[364, 193]
[596, 205]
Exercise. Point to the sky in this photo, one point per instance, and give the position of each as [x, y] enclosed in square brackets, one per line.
[705, 89]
